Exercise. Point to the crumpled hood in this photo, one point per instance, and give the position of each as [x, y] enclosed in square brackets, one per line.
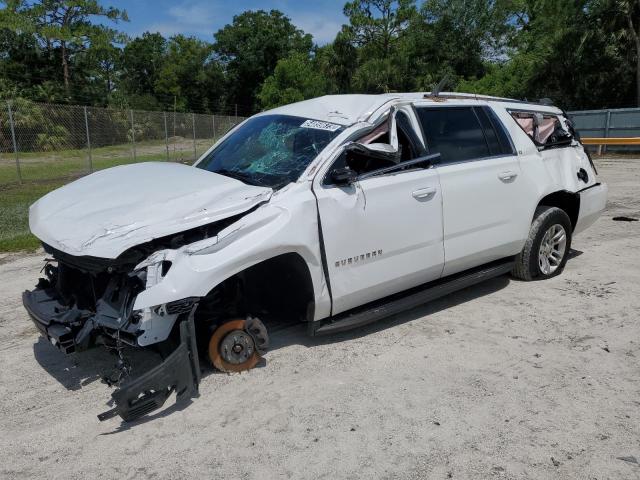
[107, 212]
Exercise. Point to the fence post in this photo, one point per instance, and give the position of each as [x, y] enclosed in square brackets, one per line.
[133, 135]
[606, 131]
[166, 134]
[195, 151]
[213, 126]
[15, 144]
[86, 126]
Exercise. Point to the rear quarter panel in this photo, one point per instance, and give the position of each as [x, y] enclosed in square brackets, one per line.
[546, 171]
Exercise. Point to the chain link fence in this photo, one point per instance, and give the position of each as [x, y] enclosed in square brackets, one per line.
[47, 142]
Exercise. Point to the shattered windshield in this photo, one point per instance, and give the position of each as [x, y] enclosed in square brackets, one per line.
[270, 150]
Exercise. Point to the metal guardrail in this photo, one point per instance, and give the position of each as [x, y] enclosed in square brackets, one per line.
[611, 141]
[612, 130]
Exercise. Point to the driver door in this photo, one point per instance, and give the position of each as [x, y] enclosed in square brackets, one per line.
[382, 234]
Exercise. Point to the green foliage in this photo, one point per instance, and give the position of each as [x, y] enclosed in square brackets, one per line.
[250, 47]
[377, 35]
[582, 54]
[54, 139]
[337, 62]
[295, 78]
[141, 62]
[376, 26]
[63, 29]
[564, 51]
[189, 76]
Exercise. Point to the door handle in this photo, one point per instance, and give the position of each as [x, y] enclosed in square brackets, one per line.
[423, 193]
[508, 175]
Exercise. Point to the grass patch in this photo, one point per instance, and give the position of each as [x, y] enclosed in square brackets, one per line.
[46, 171]
[39, 166]
[14, 215]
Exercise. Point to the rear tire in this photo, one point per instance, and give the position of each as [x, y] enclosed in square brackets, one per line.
[546, 250]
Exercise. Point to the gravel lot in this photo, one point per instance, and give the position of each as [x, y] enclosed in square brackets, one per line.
[503, 380]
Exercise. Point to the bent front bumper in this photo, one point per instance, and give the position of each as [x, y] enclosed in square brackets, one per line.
[66, 328]
[70, 330]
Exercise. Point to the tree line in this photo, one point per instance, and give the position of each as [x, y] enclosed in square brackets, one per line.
[580, 53]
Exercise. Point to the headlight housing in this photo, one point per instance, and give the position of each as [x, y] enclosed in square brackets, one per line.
[157, 265]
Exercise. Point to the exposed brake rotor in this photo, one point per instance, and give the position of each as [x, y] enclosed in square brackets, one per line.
[236, 345]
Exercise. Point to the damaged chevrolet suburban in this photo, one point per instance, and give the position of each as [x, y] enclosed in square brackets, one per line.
[335, 211]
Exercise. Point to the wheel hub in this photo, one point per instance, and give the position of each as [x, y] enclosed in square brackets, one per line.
[552, 249]
[237, 347]
[233, 347]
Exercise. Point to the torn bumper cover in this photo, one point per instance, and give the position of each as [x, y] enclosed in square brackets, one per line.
[72, 326]
[58, 324]
[72, 329]
[179, 372]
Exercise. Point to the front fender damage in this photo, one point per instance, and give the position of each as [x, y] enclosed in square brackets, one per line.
[179, 373]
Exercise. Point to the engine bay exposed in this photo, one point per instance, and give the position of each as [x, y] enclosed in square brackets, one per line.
[84, 300]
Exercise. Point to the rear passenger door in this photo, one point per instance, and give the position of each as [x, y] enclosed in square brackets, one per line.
[480, 177]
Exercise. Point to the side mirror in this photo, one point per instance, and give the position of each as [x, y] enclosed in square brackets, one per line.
[343, 176]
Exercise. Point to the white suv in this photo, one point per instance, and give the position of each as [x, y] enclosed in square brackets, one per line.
[334, 211]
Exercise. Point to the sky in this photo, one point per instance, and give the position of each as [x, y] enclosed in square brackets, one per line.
[202, 18]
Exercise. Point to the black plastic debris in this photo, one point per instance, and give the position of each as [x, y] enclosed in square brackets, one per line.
[624, 219]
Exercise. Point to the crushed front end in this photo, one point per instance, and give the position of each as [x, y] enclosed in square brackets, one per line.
[85, 301]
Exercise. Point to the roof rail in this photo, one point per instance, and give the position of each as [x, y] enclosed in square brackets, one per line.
[472, 96]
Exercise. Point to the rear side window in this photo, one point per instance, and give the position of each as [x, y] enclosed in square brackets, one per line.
[545, 129]
[497, 138]
[490, 133]
[454, 133]
[463, 133]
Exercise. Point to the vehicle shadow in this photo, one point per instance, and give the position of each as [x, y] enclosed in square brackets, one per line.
[72, 371]
[78, 370]
[297, 334]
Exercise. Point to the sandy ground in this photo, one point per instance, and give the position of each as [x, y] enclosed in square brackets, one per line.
[503, 380]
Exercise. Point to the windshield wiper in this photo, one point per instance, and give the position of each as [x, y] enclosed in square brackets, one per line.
[243, 177]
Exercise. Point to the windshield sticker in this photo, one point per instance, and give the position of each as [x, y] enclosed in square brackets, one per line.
[318, 125]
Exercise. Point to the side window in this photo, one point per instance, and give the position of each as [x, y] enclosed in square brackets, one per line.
[490, 134]
[409, 145]
[503, 136]
[497, 138]
[544, 129]
[454, 132]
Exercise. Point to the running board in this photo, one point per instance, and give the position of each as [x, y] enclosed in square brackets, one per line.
[396, 303]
